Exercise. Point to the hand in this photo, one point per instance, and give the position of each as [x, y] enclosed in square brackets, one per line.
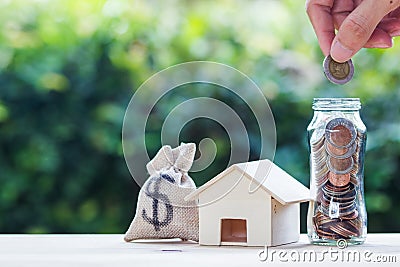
[360, 23]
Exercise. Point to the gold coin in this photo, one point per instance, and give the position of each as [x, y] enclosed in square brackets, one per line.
[339, 73]
[339, 70]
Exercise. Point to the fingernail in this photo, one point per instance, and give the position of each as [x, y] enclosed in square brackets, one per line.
[340, 53]
[394, 33]
[378, 46]
[388, 43]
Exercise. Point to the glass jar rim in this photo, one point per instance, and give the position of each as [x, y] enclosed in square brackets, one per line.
[336, 104]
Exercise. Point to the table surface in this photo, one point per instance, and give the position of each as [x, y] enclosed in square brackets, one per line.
[111, 250]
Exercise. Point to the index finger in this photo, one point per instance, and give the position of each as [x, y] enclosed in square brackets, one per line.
[319, 12]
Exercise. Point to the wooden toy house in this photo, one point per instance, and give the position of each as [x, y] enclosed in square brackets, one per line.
[250, 204]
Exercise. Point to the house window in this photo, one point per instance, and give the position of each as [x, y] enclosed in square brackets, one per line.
[233, 230]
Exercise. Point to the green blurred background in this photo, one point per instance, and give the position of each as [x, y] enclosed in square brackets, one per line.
[69, 68]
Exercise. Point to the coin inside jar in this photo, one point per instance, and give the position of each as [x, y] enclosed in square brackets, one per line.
[338, 211]
[321, 175]
[339, 179]
[351, 216]
[340, 166]
[344, 194]
[340, 153]
[340, 132]
[321, 180]
[317, 145]
[331, 190]
[318, 138]
[336, 72]
[334, 228]
[353, 179]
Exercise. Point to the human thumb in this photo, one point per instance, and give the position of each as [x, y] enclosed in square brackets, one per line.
[358, 27]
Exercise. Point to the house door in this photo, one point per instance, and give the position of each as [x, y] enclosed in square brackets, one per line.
[233, 231]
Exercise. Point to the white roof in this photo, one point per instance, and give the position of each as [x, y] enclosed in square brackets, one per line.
[265, 174]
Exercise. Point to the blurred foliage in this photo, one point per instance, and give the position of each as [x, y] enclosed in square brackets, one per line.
[69, 68]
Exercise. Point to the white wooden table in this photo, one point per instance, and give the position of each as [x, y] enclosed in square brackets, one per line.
[111, 250]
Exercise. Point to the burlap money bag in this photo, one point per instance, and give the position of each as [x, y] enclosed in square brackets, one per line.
[161, 211]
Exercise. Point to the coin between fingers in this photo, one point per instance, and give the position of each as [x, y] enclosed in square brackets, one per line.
[338, 73]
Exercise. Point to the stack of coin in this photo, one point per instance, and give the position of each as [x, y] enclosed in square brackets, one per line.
[338, 228]
[335, 163]
[341, 147]
[319, 156]
[338, 201]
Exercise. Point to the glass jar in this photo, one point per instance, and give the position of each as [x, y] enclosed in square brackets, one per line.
[337, 138]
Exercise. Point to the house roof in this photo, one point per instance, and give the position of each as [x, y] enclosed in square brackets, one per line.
[267, 176]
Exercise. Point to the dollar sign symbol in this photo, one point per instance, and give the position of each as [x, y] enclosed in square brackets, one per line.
[157, 196]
